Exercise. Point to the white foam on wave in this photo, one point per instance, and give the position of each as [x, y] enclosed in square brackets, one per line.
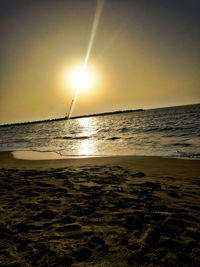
[43, 155]
[37, 155]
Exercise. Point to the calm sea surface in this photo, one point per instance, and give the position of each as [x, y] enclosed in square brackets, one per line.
[171, 132]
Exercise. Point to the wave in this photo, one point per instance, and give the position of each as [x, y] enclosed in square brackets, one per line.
[181, 144]
[113, 138]
[104, 130]
[188, 155]
[17, 141]
[73, 137]
[123, 130]
[165, 129]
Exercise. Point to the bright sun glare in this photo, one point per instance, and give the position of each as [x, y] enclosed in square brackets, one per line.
[81, 79]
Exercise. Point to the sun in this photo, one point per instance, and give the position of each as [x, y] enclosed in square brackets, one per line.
[82, 79]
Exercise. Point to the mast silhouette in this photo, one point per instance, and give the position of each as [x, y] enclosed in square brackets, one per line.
[70, 110]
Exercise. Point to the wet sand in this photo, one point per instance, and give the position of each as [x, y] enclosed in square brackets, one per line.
[112, 211]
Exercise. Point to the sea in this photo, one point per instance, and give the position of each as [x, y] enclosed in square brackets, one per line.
[163, 132]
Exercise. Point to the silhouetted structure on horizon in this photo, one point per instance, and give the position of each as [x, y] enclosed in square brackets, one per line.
[75, 117]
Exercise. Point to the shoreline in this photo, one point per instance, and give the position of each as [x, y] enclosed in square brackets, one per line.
[52, 155]
[105, 211]
[158, 164]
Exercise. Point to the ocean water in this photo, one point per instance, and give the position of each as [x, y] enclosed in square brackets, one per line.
[166, 132]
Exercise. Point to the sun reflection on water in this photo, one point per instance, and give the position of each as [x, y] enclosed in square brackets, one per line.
[87, 148]
[88, 128]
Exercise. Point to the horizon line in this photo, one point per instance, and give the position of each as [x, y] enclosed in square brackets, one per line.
[91, 115]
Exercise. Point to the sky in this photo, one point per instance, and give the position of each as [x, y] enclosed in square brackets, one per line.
[145, 54]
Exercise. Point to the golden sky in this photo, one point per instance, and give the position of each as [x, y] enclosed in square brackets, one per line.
[145, 54]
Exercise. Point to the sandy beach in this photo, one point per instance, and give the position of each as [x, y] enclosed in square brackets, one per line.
[108, 211]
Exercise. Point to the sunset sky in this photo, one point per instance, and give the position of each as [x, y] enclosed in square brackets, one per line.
[145, 55]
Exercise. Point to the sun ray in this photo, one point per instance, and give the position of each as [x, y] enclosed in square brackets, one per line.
[95, 24]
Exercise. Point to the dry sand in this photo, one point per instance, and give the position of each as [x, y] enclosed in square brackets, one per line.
[119, 211]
